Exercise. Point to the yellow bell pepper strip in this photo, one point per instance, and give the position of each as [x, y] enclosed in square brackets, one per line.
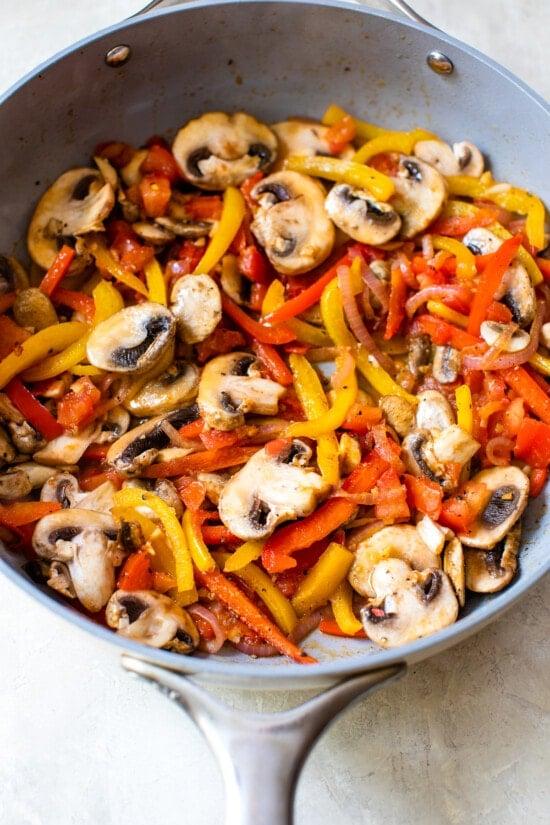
[107, 300]
[333, 418]
[522, 254]
[541, 363]
[332, 312]
[304, 332]
[258, 581]
[343, 171]
[314, 402]
[464, 409]
[243, 555]
[39, 346]
[465, 260]
[155, 282]
[341, 602]
[402, 142]
[108, 263]
[465, 186]
[86, 369]
[363, 130]
[451, 315]
[199, 551]
[323, 579]
[135, 497]
[233, 212]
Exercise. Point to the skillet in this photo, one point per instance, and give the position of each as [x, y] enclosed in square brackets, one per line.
[272, 58]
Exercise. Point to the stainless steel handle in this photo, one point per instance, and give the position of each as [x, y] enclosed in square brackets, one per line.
[260, 754]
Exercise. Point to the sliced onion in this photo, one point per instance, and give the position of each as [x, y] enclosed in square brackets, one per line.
[341, 376]
[307, 625]
[474, 360]
[259, 650]
[208, 645]
[377, 287]
[499, 450]
[442, 292]
[499, 346]
[356, 322]
[427, 247]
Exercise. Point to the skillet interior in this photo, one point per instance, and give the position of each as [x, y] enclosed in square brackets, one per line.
[272, 59]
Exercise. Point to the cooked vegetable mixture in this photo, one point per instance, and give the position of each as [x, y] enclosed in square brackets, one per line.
[272, 379]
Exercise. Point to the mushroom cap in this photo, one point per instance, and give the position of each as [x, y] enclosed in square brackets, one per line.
[420, 191]
[231, 386]
[399, 413]
[176, 386]
[196, 303]
[420, 459]
[481, 241]
[152, 619]
[114, 424]
[470, 159]
[270, 489]
[509, 492]
[445, 364]
[14, 485]
[218, 150]
[290, 222]
[363, 218]
[307, 138]
[63, 488]
[439, 155]
[398, 541]
[491, 331]
[133, 339]
[487, 571]
[433, 411]
[76, 203]
[67, 448]
[453, 565]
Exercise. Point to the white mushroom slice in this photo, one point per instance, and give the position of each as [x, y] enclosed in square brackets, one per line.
[439, 155]
[399, 541]
[218, 150]
[433, 411]
[7, 453]
[420, 354]
[453, 565]
[176, 386]
[446, 364]
[349, 453]
[270, 489]
[36, 473]
[454, 444]
[470, 159]
[132, 340]
[131, 173]
[231, 386]
[86, 542]
[431, 534]
[420, 459]
[509, 491]
[108, 172]
[399, 413]
[491, 331]
[213, 484]
[407, 604]
[197, 306]
[14, 485]
[77, 203]
[481, 241]
[303, 137]
[114, 424]
[63, 488]
[545, 334]
[488, 571]
[420, 192]
[67, 448]
[25, 438]
[291, 223]
[363, 218]
[152, 619]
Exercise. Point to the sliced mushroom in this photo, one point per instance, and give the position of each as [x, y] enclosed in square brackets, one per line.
[176, 386]
[453, 565]
[152, 619]
[37, 474]
[132, 340]
[218, 150]
[13, 276]
[408, 604]
[164, 230]
[349, 453]
[398, 412]
[131, 173]
[196, 304]
[431, 534]
[65, 489]
[77, 203]
[481, 241]
[114, 425]
[545, 334]
[399, 541]
[67, 448]
[270, 489]
[491, 331]
[420, 192]
[433, 411]
[420, 354]
[7, 452]
[86, 542]
[470, 159]
[488, 571]
[25, 438]
[233, 283]
[32, 308]
[166, 490]
[140, 446]
[213, 484]
[363, 218]
[463, 159]
[446, 364]
[231, 386]
[108, 172]
[303, 137]
[509, 491]
[291, 223]
[454, 444]
[152, 233]
[420, 459]
[14, 485]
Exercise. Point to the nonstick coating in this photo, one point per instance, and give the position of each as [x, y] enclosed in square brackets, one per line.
[273, 59]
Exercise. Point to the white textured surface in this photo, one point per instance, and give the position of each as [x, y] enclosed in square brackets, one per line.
[463, 739]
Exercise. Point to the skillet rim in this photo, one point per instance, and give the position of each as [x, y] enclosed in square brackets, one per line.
[288, 673]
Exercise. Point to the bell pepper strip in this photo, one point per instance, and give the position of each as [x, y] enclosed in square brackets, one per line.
[91, 479]
[233, 212]
[340, 134]
[314, 402]
[465, 260]
[76, 408]
[459, 217]
[155, 282]
[76, 301]
[232, 597]
[464, 408]
[391, 499]
[193, 429]
[489, 282]
[461, 510]
[20, 513]
[448, 314]
[202, 462]
[541, 363]
[341, 602]
[134, 497]
[533, 443]
[257, 330]
[136, 573]
[243, 555]
[527, 388]
[537, 481]
[155, 191]
[330, 627]
[398, 295]
[343, 171]
[56, 364]
[11, 336]
[424, 495]
[523, 255]
[322, 579]
[106, 262]
[364, 130]
[58, 270]
[7, 300]
[39, 346]
[361, 418]
[218, 534]
[443, 333]
[161, 161]
[542, 263]
[273, 363]
[199, 551]
[402, 142]
[32, 410]
[344, 398]
[107, 300]
[308, 333]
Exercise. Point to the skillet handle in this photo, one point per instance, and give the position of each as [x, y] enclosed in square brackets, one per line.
[260, 754]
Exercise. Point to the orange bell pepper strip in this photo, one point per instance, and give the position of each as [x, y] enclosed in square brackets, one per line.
[11, 335]
[398, 295]
[26, 512]
[527, 388]
[361, 418]
[57, 270]
[273, 363]
[441, 332]
[260, 332]
[533, 443]
[232, 597]
[32, 410]
[490, 281]
[204, 462]
[136, 573]
[330, 628]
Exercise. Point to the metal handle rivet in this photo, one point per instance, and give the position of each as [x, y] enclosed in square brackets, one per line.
[439, 62]
[118, 56]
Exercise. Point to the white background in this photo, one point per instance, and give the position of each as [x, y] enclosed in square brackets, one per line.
[463, 739]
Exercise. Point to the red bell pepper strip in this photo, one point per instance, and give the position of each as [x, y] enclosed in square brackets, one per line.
[218, 534]
[537, 481]
[57, 270]
[221, 341]
[258, 331]
[26, 512]
[205, 462]
[441, 332]
[232, 597]
[340, 134]
[273, 363]
[253, 266]
[391, 501]
[76, 301]
[136, 573]
[96, 452]
[155, 192]
[533, 443]
[330, 628]
[90, 479]
[527, 388]
[365, 476]
[361, 418]
[192, 430]
[77, 406]
[461, 510]
[489, 282]
[32, 410]
[398, 295]
[424, 495]
[248, 186]
[455, 226]
[544, 266]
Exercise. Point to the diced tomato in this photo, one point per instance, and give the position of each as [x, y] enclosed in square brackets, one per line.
[387, 448]
[365, 476]
[461, 510]
[289, 581]
[221, 341]
[156, 193]
[161, 161]
[398, 294]
[533, 443]
[191, 492]
[424, 495]
[391, 502]
[131, 252]
[512, 418]
[385, 162]
[136, 573]
[537, 481]
[77, 406]
[212, 439]
[458, 225]
[204, 207]
[340, 134]
[499, 312]
[218, 534]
